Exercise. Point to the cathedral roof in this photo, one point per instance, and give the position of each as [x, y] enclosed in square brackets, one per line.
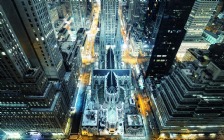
[110, 59]
[111, 83]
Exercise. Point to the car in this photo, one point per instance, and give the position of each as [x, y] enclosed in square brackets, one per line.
[32, 133]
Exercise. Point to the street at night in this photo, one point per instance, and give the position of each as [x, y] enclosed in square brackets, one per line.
[111, 69]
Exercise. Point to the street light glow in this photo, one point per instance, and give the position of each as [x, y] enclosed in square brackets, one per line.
[13, 135]
[124, 46]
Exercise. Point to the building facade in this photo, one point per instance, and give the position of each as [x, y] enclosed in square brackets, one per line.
[167, 35]
[213, 38]
[109, 21]
[190, 99]
[53, 12]
[199, 17]
[37, 24]
[28, 100]
[137, 10]
[110, 35]
[201, 13]
[79, 12]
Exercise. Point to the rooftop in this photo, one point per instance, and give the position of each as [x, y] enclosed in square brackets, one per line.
[67, 47]
[112, 115]
[67, 76]
[110, 59]
[134, 120]
[89, 118]
[111, 83]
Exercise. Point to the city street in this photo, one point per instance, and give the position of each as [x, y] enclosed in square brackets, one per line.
[143, 105]
[126, 56]
[111, 69]
[79, 101]
[79, 104]
[88, 55]
[87, 59]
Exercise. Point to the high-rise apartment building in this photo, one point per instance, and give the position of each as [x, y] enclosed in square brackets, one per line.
[199, 17]
[28, 100]
[190, 100]
[168, 34]
[79, 12]
[110, 35]
[39, 30]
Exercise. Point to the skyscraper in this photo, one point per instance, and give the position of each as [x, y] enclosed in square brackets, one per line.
[39, 30]
[79, 12]
[190, 100]
[109, 21]
[136, 10]
[168, 34]
[198, 19]
[28, 100]
[110, 35]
